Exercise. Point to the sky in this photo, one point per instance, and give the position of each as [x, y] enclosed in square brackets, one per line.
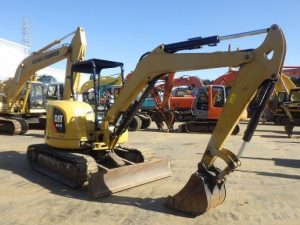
[124, 30]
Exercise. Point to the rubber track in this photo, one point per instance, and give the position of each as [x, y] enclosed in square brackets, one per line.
[146, 153]
[184, 116]
[24, 124]
[10, 126]
[84, 164]
[198, 127]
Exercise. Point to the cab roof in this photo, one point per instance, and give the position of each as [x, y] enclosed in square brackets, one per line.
[88, 65]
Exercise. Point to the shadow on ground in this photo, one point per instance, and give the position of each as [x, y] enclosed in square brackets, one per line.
[16, 162]
[269, 174]
[292, 163]
[34, 135]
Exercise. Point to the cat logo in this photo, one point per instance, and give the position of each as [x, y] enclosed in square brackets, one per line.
[58, 121]
[58, 118]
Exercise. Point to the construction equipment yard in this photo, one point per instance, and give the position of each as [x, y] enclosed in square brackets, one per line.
[263, 190]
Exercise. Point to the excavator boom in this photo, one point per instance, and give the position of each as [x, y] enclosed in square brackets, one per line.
[46, 56]
[258, 73]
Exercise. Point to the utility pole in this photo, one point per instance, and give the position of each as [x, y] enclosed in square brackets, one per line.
[26, 31]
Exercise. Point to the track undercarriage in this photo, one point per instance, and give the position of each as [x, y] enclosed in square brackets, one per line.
[106, 172]
[13, 125]
[203, 126]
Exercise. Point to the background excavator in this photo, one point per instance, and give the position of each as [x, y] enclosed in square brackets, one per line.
[285, 104]
[176, 101]
[207, 109]
[80, 146]
[16, 107]
[198, 106]
[55, 90]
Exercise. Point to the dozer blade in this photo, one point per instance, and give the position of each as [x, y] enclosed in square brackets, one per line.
[106, 182]
[199, 195]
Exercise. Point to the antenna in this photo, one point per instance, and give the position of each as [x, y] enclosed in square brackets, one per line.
[26, 30]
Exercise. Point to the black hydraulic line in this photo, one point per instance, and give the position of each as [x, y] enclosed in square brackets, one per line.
[96, 96]
[130, 113]
[71, 83]
[261, 100]
[198, 42]
[193, 43]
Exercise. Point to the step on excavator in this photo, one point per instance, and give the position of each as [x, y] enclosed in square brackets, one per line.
[82, 146]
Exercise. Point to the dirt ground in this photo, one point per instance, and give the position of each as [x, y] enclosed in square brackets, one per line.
[264, 190]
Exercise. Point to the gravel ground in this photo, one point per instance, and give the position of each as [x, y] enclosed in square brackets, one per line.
[264, 190]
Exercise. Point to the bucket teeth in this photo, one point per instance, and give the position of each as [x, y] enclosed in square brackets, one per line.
[199, 195]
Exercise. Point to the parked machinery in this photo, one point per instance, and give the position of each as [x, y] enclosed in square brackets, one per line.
[207, 109]
[21, 97]
[174, 99]
[81, 146]
[285, 104]
[142, 118]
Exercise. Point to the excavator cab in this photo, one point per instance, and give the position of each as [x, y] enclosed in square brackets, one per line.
[36, 100]
[100, 98]
[209, 102]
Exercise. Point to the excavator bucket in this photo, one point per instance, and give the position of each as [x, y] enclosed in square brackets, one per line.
[201, 193]
[108, 181]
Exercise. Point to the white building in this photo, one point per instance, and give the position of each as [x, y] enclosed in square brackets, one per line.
[11, 54]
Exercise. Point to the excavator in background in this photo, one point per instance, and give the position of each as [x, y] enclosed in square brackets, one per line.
[227, 80]
[281, 94]
[182, 96]
[112, 83]
[108, 90]
[285, 104]
[82, 146]
[199, 111]
[208, 105]
[15, 107]
[177, 99]
[142, 118]
[291, 109]
[207, 109]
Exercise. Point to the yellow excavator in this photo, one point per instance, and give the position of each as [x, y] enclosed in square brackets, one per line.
[55, 90]
[105, 80]
[287, 110]
[21, 97]
[83, 146]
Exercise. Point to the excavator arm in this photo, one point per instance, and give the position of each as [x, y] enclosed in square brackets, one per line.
[284, 84]
[43, 58]
[258, 73]
[255, 68]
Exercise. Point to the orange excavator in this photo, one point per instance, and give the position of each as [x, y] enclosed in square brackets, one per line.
[199, 112]
[207, 109]
[177, 99]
